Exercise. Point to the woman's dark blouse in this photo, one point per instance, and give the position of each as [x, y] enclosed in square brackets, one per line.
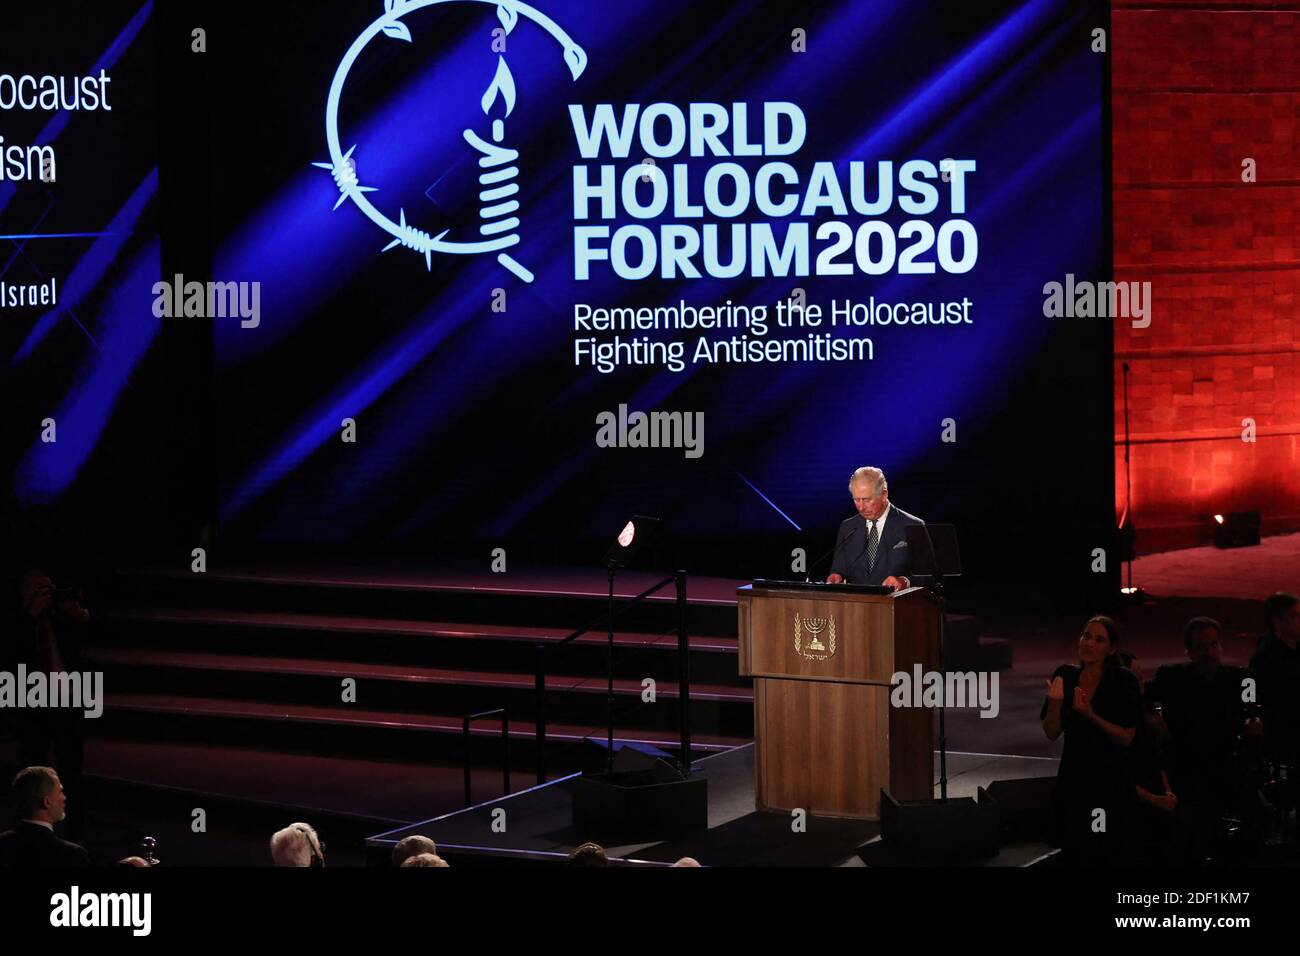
[1089, 757]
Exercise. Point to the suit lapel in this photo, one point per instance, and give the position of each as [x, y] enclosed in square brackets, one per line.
[889, 540]
[893, 530]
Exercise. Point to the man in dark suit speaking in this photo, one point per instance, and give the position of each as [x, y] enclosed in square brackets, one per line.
[872, 547]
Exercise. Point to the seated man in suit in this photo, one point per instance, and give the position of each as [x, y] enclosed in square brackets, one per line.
[41, 801]
[1276, 663]
[872, 548]
[1210, 726]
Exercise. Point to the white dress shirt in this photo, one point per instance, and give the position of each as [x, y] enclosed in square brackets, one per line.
[880, 524]
[880, 538]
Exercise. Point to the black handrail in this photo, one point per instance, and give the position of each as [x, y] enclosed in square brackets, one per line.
[677, 578]
[603, 618]
[505, 747]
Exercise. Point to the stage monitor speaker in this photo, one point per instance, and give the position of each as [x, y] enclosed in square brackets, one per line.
[593, 755]
[1024, 806]
[641, 805]
[939, 831]
[1237, 530]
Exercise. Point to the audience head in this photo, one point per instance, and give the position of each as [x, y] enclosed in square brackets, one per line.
[687, 861]
[1125, 659]
[297, 845]
[129, 861]
[1203, 638]
[38, 795]
[1099, 642]
[424, 859]
[1282, 611]
[589, 854]
[408, 847]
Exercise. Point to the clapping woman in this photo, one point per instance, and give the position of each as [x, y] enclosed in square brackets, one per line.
[1096, 706]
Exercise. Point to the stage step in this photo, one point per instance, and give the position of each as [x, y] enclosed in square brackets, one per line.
[352, 624]
[402, 687]
[394, 640]
[555, 683]
[343, 729]
[304, 667]
[255, 657]
[564, 600]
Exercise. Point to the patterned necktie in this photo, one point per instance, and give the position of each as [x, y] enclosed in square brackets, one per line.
[873, 541]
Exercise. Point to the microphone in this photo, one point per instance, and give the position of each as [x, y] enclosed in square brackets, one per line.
[843, 539]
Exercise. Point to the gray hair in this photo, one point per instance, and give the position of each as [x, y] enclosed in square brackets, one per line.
[295, 845]
[872, 476]
[31, 786]
[415, 845]
[425, 859]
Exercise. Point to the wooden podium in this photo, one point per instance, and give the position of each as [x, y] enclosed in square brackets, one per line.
[825, 736]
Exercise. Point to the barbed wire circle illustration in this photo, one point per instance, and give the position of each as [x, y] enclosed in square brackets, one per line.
[499, 224]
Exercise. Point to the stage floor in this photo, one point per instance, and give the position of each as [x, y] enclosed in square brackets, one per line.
[538, 823]
[1249, 574]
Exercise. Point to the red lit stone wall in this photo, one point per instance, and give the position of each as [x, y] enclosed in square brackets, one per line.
[1196, 89]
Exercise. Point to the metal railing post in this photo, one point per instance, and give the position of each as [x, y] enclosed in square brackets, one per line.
[539, 716]
[505, 748]
[684, 671]
[505, 754]
[465, 755]
[612, 613]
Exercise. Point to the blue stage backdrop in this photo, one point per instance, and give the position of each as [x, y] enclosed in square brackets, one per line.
[79, 255]
[487, 234]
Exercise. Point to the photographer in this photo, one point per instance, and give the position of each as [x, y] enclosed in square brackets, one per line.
[44, 637]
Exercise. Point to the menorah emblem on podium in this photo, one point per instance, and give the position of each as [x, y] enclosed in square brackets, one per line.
[816, 627]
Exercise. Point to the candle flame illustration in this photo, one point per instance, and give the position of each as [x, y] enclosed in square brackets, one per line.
[503, 86]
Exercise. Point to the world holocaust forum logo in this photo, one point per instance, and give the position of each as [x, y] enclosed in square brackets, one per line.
[498, 228]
